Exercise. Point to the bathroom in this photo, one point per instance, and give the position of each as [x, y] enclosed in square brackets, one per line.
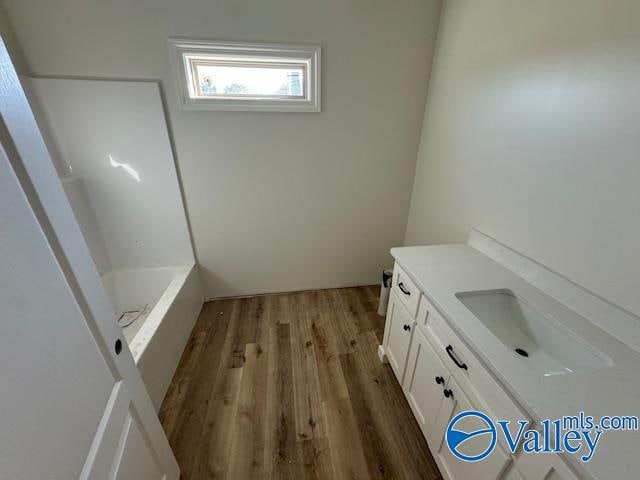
[196, 259]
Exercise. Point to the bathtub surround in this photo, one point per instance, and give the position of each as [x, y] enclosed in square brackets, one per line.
[76, 189]
[276, 201]
[531, 134]
[115, 158]
[112, 152]
[173, 299]
[159, 344]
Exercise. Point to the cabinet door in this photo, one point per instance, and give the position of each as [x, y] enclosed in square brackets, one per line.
[424, 383]
[489, 468]
[547, 466]
[513, 475]
[397, 336]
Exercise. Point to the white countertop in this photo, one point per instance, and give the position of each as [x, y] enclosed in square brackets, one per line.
[442, 271]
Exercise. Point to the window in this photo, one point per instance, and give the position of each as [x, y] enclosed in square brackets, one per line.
[248, 77]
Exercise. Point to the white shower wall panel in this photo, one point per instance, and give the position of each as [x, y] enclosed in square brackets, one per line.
[113, 135]
[74, 187]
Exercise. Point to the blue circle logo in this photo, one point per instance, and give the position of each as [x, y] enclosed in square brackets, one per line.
[456, 437]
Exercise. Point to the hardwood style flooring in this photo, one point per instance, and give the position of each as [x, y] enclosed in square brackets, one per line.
[290, 386]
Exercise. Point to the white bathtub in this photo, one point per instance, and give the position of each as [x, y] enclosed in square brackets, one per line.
[173, 296]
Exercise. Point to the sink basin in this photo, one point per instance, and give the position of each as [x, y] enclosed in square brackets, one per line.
[541, 343]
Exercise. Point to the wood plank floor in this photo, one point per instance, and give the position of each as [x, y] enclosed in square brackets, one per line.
[290, 386]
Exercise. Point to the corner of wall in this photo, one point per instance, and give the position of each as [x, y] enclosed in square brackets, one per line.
[434, 57]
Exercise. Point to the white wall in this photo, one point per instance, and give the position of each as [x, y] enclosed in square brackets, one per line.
[10, 42]
[111, 138]
[276, 201]
[532, 134]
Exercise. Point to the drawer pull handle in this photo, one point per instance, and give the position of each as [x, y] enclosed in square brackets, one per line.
[440, 380]
[448, 393]
[403, 289]
[455, 360]
[407, 328]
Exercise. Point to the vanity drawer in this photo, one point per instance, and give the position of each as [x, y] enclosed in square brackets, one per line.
[406, 290]
[468, 370]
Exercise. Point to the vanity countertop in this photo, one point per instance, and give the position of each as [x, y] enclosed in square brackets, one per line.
[441, 271]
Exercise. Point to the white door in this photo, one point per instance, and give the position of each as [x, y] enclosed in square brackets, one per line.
[72, 403]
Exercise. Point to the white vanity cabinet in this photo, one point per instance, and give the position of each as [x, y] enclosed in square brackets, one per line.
[435, 398]
[441, 378]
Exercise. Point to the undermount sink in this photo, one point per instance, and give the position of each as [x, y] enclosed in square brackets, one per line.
[538, 341]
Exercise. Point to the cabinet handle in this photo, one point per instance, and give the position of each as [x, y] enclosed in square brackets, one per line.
[448, 393]
[440, 380]
[461, 365]
[407, 328]
[403, 289]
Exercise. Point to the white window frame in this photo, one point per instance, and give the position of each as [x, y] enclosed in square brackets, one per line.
[182, 50]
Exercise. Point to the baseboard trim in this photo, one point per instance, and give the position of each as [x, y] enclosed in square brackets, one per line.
[287, 292]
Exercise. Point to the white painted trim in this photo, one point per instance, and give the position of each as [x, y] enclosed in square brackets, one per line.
[311, 54]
